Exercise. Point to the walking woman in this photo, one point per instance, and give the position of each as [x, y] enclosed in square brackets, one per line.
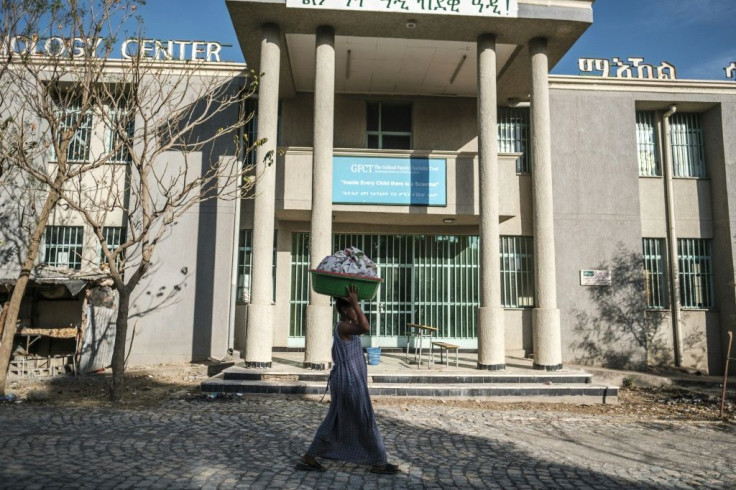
[349, 432]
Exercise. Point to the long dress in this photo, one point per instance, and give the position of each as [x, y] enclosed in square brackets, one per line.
[349, 431]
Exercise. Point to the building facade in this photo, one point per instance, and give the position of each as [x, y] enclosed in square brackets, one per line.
[570, 219]
[563, 218]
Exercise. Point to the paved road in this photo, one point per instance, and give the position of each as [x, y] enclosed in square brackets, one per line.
[255, 442]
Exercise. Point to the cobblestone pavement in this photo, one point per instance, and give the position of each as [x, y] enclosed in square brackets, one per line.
[254, 442]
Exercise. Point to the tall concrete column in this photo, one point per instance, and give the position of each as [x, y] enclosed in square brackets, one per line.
[491, 346]
[317, 354]
[259, 333]
[546, 316]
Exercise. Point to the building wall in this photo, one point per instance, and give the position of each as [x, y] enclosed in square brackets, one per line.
[602, 206]
[181, 309]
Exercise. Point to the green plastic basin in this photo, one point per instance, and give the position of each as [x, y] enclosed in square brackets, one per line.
[334, 284]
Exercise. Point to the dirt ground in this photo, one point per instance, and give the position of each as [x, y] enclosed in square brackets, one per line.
[158, 385]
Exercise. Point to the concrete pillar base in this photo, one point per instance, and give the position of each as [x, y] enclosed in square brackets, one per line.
[259, 335]
[318, 349]
[547, 342]
[257, 365]
[539, 367]
[491, 339]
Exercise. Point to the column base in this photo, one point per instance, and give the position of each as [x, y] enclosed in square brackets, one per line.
[259, 335]
[546, 337]
[318, 337]
[491, 337]
[491, 367]
[542, 367]
[318, 366]
[257, 365]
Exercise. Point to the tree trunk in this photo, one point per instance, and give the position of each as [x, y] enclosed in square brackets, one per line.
[118, 349]
[19, 290]
[3, 314]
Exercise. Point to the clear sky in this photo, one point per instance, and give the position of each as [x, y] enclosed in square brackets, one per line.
[697, 36]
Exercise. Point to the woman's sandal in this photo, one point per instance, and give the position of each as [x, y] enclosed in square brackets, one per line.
[313, 466]
[386, 469]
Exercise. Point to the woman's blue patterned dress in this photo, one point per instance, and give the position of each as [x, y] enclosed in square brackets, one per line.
[349, 432]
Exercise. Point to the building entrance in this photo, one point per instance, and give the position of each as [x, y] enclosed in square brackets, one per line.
[428, 279]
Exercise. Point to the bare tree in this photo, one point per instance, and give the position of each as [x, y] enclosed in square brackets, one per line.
[173, 138]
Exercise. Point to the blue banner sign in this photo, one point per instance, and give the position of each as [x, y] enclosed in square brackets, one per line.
[392, 181]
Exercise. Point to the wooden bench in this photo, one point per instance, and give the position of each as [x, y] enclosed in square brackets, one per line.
[445, 349]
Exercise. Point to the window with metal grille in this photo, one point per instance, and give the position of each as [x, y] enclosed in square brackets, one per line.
[688, 147]
[72, 118]
[513, 135]
[654, 279]
[245, 266]
[114, 237]
[646, 142]
[251, 128]
[517, 272]
[696, 273]
[63, 246]
[119, 135]
[429, 279]
[388, 126]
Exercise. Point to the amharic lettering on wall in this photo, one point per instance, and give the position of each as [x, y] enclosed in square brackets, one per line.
[630, 68]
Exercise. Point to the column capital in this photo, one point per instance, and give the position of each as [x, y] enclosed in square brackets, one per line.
[487, 38]
[325, 30]
[538, 44]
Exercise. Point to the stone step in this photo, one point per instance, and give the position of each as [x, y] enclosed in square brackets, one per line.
[417, 377]
[541, 392]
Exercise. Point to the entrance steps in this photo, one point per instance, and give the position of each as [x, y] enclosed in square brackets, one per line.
[517, 386]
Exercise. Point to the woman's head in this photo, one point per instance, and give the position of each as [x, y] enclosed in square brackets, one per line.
[344, 308]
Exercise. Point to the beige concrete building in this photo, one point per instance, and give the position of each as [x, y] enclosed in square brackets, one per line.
[564, 218]
[546, 186]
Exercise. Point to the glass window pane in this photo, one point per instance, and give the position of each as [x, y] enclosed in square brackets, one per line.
[396, 117]
[396, 142]
[372, 116]
[373, 141]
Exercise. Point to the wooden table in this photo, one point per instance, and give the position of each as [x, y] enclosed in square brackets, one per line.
[418, 332]
[32, 335]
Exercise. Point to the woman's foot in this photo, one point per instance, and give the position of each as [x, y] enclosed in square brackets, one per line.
[309, 463]
[386, 469]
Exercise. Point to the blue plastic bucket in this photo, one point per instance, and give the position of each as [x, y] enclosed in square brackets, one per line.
[374, 355]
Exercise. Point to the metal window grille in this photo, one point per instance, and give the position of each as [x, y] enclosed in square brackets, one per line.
[513, 135]
[688, 147]
[114, 237]
[251, 128]
[517, 272]
[72, 117]
[696, 273]
[646, 141]
[654, 278]
[119, 119]
[245, 266]
[299, 284]
[428, 279]
[381, 137]
[63, 246]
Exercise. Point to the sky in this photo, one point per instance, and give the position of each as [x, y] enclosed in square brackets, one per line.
[697, 36]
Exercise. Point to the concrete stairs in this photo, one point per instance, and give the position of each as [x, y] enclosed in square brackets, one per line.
[523, 386]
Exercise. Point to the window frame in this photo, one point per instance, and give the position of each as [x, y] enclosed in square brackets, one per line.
[694, 282]
[75, 248]
[654, 263]
[514, 131]
[380, 133]
[517, 282]
[684, 149]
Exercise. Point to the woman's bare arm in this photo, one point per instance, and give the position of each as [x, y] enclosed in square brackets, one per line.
[358, 325]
